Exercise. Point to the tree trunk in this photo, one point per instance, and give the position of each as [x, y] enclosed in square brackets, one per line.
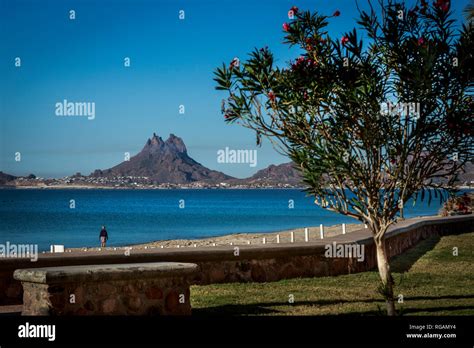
[385, 275]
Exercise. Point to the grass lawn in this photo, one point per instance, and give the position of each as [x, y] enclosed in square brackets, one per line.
[431, 280]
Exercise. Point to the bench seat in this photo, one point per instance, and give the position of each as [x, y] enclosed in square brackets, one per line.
[156, 288]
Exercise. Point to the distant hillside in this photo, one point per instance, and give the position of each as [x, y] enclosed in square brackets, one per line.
[167, 162]
[287, 174]
[164, 162]
[5, 178]
[276, 174]
[467, 177]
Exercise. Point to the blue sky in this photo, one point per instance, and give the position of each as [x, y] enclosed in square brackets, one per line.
[172, 63]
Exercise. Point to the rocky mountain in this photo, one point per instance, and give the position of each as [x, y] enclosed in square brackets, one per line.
[4, 178]
[276, 175]
[168, 162]
[164, 162]
[287, 174]
[468, 176]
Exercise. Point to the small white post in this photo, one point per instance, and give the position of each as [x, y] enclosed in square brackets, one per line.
[343, 228]
[58, 248]
[366, 226]
[213, 244]
[195, 245]
[264, 241]
[321, 231]
[231, 243]
[248, 242]
[278, 238]
[162, 246]
[178, 246]
[306, 234]
[292, 237]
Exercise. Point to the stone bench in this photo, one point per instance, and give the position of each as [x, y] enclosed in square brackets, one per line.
[157, 288]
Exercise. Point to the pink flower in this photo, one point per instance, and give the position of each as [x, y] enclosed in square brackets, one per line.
[299, 61]
[271, 96]
[442, 5]
[336, 14]
[235, 63]
[286, 27]
[310, 62]
[344, 40]
[421, 41]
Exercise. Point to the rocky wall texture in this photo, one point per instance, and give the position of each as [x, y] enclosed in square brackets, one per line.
[317, 265]
[166, 296]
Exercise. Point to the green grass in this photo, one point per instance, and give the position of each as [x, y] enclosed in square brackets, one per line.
[431, 280]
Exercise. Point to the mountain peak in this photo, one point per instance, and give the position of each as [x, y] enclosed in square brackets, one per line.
[176, 143]
[155, 140]
[165, 162]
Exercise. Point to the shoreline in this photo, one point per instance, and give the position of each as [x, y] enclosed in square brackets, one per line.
[239, 239]
[236, 239]
[82, 187]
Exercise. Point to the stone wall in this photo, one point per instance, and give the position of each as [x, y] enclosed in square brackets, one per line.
[283, 266]
[130, 294]
[110, 298]
[263, 263]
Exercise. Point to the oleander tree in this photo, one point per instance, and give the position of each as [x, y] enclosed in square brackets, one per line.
[370, 123]
[469, 11]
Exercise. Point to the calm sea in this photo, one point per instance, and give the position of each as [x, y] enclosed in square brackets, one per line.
[44, 217]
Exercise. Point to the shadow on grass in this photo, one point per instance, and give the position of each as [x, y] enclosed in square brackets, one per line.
[402, 263]
[271, 307]
[408, 311]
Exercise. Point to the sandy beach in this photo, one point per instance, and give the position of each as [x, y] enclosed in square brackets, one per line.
[237, 239]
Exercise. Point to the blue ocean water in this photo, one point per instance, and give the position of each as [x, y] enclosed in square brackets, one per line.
[44, 217]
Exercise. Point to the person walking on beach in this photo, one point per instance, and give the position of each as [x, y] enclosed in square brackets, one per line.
[103, 237]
